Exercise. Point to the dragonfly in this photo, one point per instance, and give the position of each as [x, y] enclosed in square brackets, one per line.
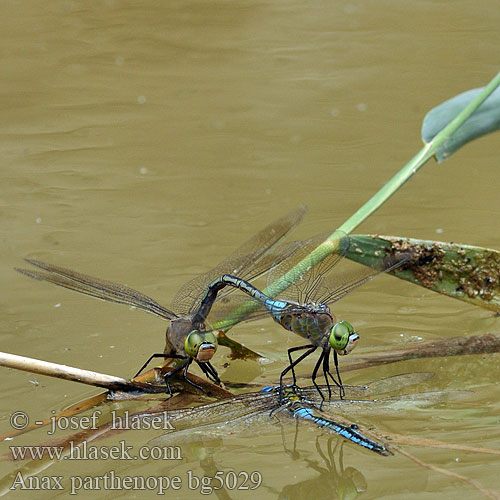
[188, 335]
[303, 307]
[255, 411]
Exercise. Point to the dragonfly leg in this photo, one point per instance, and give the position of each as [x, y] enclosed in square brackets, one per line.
[208, 369]
[177, 370]
[292, 365]
[170, 374]
[314, 375]
[159, 355]
[311, 347]
[326, 371]
[186, 366]
[214, 373]
[155, 355]
[341, 387]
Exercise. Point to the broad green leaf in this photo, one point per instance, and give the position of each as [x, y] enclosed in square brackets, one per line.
[464, 272]
[485, 119]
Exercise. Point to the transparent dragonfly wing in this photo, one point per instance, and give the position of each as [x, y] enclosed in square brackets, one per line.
[225, 309]
[272, 258]
[337, 285]
[319, 284]
[393, 383]
[395, 404]
[247, 405]
[95, 287]
[306, 286]
[251, 412]
[247, 262]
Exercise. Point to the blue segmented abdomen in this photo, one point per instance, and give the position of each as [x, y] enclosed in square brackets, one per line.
[341, 430]
[275, 307]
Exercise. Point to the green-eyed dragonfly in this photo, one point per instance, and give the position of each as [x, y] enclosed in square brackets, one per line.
[303, 307]
[187, 336]
[255, 412]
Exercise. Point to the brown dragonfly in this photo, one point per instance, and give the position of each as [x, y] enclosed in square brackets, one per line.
[188, 335]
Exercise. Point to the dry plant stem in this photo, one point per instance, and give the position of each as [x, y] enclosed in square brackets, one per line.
[75, 374]
[116, 384]
[454, 346]
[431, 443]
[475, 484]
[110, 382]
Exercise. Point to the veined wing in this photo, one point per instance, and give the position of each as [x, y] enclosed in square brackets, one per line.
[320, 283]
[337, 285]
[224, 313]
[247, 262]
[96, 287]
[305, 286]
[270, 259]
[246, 405]
[251, 412]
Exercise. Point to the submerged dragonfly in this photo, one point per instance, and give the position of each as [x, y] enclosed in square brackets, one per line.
[256, 411]
[303, 308]
[187, 336]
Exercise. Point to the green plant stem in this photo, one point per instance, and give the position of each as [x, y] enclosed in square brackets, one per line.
[331, 243]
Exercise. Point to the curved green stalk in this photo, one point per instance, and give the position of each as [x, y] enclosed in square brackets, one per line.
[331, 243]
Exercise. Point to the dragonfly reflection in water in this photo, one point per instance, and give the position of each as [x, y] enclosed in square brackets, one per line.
[332, 482]
[303, 308]
[187, 336]
[256, 412]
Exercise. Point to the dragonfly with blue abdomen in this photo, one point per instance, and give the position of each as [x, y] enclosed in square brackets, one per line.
[187, 336]
[303, 307]
[257, 411]
[239, 411]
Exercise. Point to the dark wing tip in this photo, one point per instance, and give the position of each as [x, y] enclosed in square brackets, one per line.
[30, 274]
[37, 263]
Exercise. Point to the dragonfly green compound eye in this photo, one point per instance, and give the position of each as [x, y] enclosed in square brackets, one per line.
[343, 338]
[200, 345]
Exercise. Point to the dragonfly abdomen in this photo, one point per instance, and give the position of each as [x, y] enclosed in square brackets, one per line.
[349, 433]
[273, 306]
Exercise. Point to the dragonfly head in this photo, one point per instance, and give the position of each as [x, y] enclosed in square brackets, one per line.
[201, 345]
[343, 338]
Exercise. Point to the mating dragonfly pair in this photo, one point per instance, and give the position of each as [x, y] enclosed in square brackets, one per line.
[302, 308]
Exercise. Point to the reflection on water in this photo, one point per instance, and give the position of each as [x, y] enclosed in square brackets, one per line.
[331, 481]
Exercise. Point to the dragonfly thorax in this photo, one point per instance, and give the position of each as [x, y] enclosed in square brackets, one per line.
[317, 307]
[310, 323]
